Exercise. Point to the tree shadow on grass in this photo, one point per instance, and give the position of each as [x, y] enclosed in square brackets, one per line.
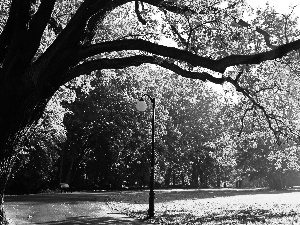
[70, 198]
[161, 195]
[90, 220]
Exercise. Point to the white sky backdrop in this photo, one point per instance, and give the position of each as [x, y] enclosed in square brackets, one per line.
[281, 6]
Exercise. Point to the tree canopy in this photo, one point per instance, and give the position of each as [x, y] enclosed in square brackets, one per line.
[44, 44]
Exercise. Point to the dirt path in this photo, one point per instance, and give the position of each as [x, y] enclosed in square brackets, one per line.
[62, 209]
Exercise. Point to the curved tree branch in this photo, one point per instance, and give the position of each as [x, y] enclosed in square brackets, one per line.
[259, 30]
[218, 65]
[121, 63]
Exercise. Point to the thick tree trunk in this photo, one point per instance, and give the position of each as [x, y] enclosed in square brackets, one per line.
[16, 119]
[5, 170]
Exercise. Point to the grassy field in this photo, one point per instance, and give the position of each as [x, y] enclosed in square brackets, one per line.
[213, 206]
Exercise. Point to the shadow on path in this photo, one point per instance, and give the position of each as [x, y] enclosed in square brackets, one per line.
[65, 208]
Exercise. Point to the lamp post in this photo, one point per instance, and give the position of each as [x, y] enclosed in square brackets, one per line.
[141, 106]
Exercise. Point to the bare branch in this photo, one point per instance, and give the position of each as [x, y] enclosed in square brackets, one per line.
[259, 106]
[242, 119]
[132, 36]
[239, 75]
[172, 7]
[265, 89]
[285, 29]
[259, 30]
[55, 26]
[120, 63]
[138, 14]
[183, 41]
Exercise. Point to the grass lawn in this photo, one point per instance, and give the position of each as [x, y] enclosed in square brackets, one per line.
[213, 206]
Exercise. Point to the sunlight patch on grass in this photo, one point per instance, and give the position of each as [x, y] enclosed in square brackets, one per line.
[214, 207]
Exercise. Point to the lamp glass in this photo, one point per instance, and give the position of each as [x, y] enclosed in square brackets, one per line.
[141, 105]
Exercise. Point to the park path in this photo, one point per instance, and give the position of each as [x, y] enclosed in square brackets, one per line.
[64, 208]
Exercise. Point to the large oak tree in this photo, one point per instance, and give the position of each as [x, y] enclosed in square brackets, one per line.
[82, 41]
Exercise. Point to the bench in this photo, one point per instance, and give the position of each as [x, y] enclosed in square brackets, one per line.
[64, 187]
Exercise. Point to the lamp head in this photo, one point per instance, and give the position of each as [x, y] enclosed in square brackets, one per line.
[141, 105]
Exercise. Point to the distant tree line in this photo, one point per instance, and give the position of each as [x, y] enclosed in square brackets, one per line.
[92, 137]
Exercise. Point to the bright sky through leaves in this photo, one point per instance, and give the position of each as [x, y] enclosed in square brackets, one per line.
[284, 7]
[280, 6]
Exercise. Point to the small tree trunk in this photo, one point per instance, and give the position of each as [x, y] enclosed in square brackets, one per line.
[70, 169]
[195, 175]
[174, 179]
[182, 180]
[218, 181]
[206, 180]
[62, 161]
[218, 172]
[202, 178]
[168, 177]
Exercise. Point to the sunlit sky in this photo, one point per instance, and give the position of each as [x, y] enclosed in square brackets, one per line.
[281, 6]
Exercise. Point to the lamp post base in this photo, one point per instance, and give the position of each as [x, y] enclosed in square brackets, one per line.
[151, 204]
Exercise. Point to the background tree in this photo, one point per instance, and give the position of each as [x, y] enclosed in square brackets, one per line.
[37, 163]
